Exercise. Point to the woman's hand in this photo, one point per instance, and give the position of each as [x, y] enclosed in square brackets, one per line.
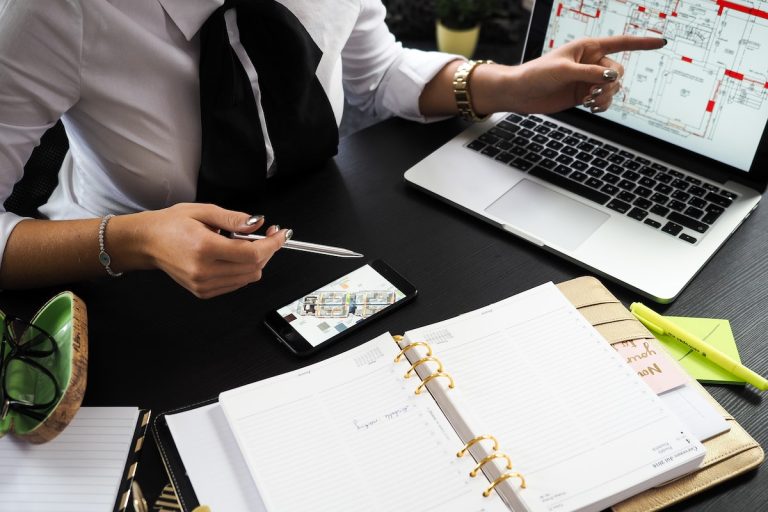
[184, 242]
[577, 73]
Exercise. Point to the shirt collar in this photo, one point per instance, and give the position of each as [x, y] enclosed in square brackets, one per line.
[189, 15]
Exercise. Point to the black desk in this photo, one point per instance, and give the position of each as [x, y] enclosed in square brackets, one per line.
[153, 344]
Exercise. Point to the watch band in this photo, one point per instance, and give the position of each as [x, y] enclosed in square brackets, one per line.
[461, 89]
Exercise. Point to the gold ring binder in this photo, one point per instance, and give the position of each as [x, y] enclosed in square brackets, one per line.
[489, 458]
[478, 439]
[434, 376]
[503, 477]
[412, 345]
[422, 361]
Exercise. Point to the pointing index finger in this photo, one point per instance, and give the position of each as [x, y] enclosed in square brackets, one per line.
[617, 44]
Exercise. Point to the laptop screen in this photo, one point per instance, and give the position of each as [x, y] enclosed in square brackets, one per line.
[706, 91]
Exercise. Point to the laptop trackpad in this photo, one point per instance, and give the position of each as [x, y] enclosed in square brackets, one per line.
[556, 220]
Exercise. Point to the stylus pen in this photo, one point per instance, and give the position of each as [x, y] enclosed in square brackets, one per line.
[302, 246]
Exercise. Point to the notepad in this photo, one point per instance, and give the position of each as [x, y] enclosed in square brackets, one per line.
[576, 427]
[81, 470]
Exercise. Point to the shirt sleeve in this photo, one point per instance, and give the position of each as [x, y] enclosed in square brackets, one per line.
[40, 55]
[380, 76]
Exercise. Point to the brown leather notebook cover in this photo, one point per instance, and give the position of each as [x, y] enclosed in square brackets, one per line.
[728, 454]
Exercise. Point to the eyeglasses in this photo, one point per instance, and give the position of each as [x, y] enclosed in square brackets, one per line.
[27, 386]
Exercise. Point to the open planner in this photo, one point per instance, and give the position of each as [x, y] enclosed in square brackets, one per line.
[521, 405]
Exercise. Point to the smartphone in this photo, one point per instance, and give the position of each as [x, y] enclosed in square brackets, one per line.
[332, 311]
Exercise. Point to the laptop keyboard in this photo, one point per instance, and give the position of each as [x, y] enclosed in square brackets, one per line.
[660, 197]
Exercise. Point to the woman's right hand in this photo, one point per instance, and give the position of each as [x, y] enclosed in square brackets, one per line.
[184, 241]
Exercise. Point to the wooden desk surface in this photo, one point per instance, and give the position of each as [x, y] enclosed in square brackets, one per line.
[154, 345]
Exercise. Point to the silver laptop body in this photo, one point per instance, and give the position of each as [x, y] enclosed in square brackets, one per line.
[623, 229]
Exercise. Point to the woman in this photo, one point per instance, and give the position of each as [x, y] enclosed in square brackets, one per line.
[131, 81]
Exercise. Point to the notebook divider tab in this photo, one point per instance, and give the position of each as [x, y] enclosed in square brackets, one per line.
[132, 461]
[482, 458]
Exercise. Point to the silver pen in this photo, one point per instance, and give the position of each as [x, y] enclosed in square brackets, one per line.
[303, 246]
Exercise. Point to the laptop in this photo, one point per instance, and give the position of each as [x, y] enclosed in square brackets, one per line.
[645, 193]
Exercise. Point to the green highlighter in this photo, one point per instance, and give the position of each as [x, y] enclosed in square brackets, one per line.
[707, 354]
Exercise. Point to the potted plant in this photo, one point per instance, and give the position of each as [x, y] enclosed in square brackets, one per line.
[458, 24]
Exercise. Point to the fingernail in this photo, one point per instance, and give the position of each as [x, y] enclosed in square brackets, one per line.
[255, 219]
[288, 235]
[588, 103]
[610, 74]
[276, 228]
[595, 110]
[597, 91]
[665, 41]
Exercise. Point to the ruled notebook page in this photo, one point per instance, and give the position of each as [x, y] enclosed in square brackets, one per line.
[349, 434]
[576, 420]
[78, 471]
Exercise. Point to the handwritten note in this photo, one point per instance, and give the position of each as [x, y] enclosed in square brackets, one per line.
[652, 363]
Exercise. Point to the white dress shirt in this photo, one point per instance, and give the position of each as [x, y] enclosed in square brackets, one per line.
[123, 77]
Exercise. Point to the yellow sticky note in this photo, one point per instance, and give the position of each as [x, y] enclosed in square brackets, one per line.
[714, 331]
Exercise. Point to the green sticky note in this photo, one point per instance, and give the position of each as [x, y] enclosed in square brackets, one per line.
[714, 331]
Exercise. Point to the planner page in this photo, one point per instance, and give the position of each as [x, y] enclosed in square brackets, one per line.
[350, 434]
[577, 422]
[78, 471]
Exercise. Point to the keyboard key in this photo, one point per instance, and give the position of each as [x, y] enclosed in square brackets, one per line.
[672, 228]
[643, 192]
[599, 162]
[476, 145]
[688, 222]
[647, 171]
[618, 205]
[564, 159]
[548, 164]
[626, 196]
[586, 146]
[514, 118]
[501, 133]
[549, 153]
[697, 202]
[679, 184]
[676, 174]
[659, 210]
[554, 144]
[594, 183]
[533, 157]
[711, 187]
[542, 130]
[518, 150]
[578, 176]
[647, 182]
[610, 178]
[697, 191]
[527, 123]
[505, 145]
[535, 118]
[580, 136]
[713, 208]
[658, 167]
[526, 133]
[488, 138]
[520, 141]
[563, 129]
[584, 157]
[570, 151]
[572, 186]
[637, 214]
[664, 178]
[676, 205]
[632, 165]
[643, 161]
[594, 171]
[627, 154]
[534, 147]
[643, 203]
[687, 238]
[506, 125]
[691, 179]
[615, 158]
[505, 157]
[491, 151]
[610, 148]
[626, 185]
[550, 124]
[571, 141]
[540, 139]
[681, 196]
[595, 142]
[579, 165]
[693, 212]
[615, 169]
[729, 195]
[556, 135]
[521, 164]
[601, 153]
[718, 200]
[663, 189]
[609, 189]
[652, 223]
[710, 218]
[562, 169]
[630, 175]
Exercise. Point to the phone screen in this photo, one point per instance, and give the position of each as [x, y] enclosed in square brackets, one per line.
[340, 305]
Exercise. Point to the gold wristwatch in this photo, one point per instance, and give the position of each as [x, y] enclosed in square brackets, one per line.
[461, 89]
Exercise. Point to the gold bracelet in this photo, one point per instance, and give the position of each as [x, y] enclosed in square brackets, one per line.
[461, 90]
